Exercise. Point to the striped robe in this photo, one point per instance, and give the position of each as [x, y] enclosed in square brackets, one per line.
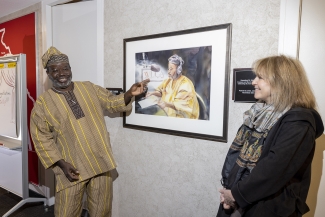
[84, 143]
[181, 93]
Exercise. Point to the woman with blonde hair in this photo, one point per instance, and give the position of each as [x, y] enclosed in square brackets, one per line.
[267, 169]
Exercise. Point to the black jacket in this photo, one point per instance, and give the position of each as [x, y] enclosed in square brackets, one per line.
[279, 183]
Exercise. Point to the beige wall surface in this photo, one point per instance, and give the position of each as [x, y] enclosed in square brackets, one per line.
[163, 175]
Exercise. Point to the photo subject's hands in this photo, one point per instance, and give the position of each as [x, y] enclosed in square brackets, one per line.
[162, 104]
[149, 94]
[154, 93]
[69, 171]
[227, 199]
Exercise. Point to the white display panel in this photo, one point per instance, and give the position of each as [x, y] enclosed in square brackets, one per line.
[8, 99]
[11, 170]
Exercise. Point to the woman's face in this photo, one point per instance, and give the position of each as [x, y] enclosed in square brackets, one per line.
[172, 71]
[262, 89]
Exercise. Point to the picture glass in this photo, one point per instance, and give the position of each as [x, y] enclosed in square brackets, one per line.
[196, 82]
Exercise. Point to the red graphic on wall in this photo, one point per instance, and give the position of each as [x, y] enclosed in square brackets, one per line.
[18, 36]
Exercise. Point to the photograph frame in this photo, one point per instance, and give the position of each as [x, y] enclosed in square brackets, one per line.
[216, 39]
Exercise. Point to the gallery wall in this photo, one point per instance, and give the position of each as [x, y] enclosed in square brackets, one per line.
[159, 174]
[163, 175]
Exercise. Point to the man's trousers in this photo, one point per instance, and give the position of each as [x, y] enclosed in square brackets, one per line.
[99, 190]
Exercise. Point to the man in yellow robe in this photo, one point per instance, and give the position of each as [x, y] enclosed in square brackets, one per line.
[178, 96]
[70, 136]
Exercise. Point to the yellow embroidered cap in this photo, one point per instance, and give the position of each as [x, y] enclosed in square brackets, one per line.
[52, 56]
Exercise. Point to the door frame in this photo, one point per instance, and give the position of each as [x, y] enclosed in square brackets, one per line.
[47, 40]
[289, 28]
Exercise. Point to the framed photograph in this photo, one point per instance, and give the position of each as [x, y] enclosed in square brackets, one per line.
[189, 82]
[243, 90]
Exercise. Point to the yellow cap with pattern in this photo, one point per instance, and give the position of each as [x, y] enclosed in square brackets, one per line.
[53, 56]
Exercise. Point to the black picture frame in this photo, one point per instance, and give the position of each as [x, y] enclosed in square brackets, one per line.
[206, 54]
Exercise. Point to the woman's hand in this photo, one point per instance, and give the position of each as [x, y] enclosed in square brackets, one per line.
[222, 201]
[227, 199]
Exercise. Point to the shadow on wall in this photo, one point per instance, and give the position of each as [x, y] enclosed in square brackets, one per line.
[316, 199]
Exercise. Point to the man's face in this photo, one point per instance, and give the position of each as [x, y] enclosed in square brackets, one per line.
[172, 71]
[60, 74]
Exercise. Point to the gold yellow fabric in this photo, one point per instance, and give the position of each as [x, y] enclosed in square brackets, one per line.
[181, 93]
[83, 142]
[99, 189]
[53, 55]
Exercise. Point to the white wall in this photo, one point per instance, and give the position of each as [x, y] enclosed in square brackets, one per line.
[312, 55]
[162, 175]
[302, 35]
[312, 47]
[74, 33]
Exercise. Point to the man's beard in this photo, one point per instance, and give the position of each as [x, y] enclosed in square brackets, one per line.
[61, 85]
[175, 76]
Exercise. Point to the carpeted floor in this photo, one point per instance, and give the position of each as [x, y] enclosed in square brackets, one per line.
[9, 200]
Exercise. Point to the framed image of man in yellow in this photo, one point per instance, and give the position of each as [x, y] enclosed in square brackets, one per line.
[189, 75]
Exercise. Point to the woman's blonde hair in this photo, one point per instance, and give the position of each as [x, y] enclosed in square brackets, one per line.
[288, 80]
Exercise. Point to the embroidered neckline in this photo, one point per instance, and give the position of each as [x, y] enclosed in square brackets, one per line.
[72, 101]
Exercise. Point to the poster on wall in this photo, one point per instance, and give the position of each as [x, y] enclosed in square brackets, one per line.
[188, 90]
[16, 38]
[8, 99]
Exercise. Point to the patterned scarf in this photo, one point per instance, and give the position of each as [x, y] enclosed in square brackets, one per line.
[258, 121]
[262, 117]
